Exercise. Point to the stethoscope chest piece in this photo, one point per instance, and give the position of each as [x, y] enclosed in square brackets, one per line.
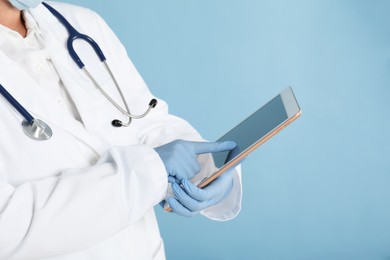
[38, 130]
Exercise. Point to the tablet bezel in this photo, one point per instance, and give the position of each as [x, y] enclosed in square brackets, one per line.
[293, 111]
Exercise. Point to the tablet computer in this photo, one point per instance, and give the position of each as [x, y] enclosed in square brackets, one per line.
[256, 130]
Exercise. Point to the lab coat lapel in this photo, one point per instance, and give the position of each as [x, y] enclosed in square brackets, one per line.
[40, 104]
[81, 89]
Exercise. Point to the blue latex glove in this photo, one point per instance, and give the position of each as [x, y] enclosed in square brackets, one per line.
[180, 157]
[189, 199]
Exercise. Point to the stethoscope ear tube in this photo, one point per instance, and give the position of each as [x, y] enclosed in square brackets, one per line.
[75, 35]
[118, 123]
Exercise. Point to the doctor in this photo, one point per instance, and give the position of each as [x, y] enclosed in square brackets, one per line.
[88, 191]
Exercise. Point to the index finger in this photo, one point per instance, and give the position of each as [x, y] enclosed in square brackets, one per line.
[212, 147]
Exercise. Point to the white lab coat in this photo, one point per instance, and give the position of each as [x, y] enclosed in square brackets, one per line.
[89, 191]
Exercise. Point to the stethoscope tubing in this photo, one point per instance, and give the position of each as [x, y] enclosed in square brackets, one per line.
[27, 116]
[74, 35]
[39, 130]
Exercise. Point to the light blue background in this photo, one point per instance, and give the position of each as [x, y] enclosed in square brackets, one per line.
[321, 188]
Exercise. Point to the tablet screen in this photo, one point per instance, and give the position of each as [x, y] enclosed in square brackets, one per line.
[255, 127]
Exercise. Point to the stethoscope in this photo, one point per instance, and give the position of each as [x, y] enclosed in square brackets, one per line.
[39, 130]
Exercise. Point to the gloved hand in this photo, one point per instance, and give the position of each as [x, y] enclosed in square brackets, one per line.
[189, 199]
[180, 159]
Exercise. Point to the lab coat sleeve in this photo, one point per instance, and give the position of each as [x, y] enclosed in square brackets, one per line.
[159, 127]
[164, 128]
[84, 205]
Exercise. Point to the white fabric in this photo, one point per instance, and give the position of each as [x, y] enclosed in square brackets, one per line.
[30, 54]
[89, 191]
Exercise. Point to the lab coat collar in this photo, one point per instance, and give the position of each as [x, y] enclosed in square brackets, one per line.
[39, 103]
